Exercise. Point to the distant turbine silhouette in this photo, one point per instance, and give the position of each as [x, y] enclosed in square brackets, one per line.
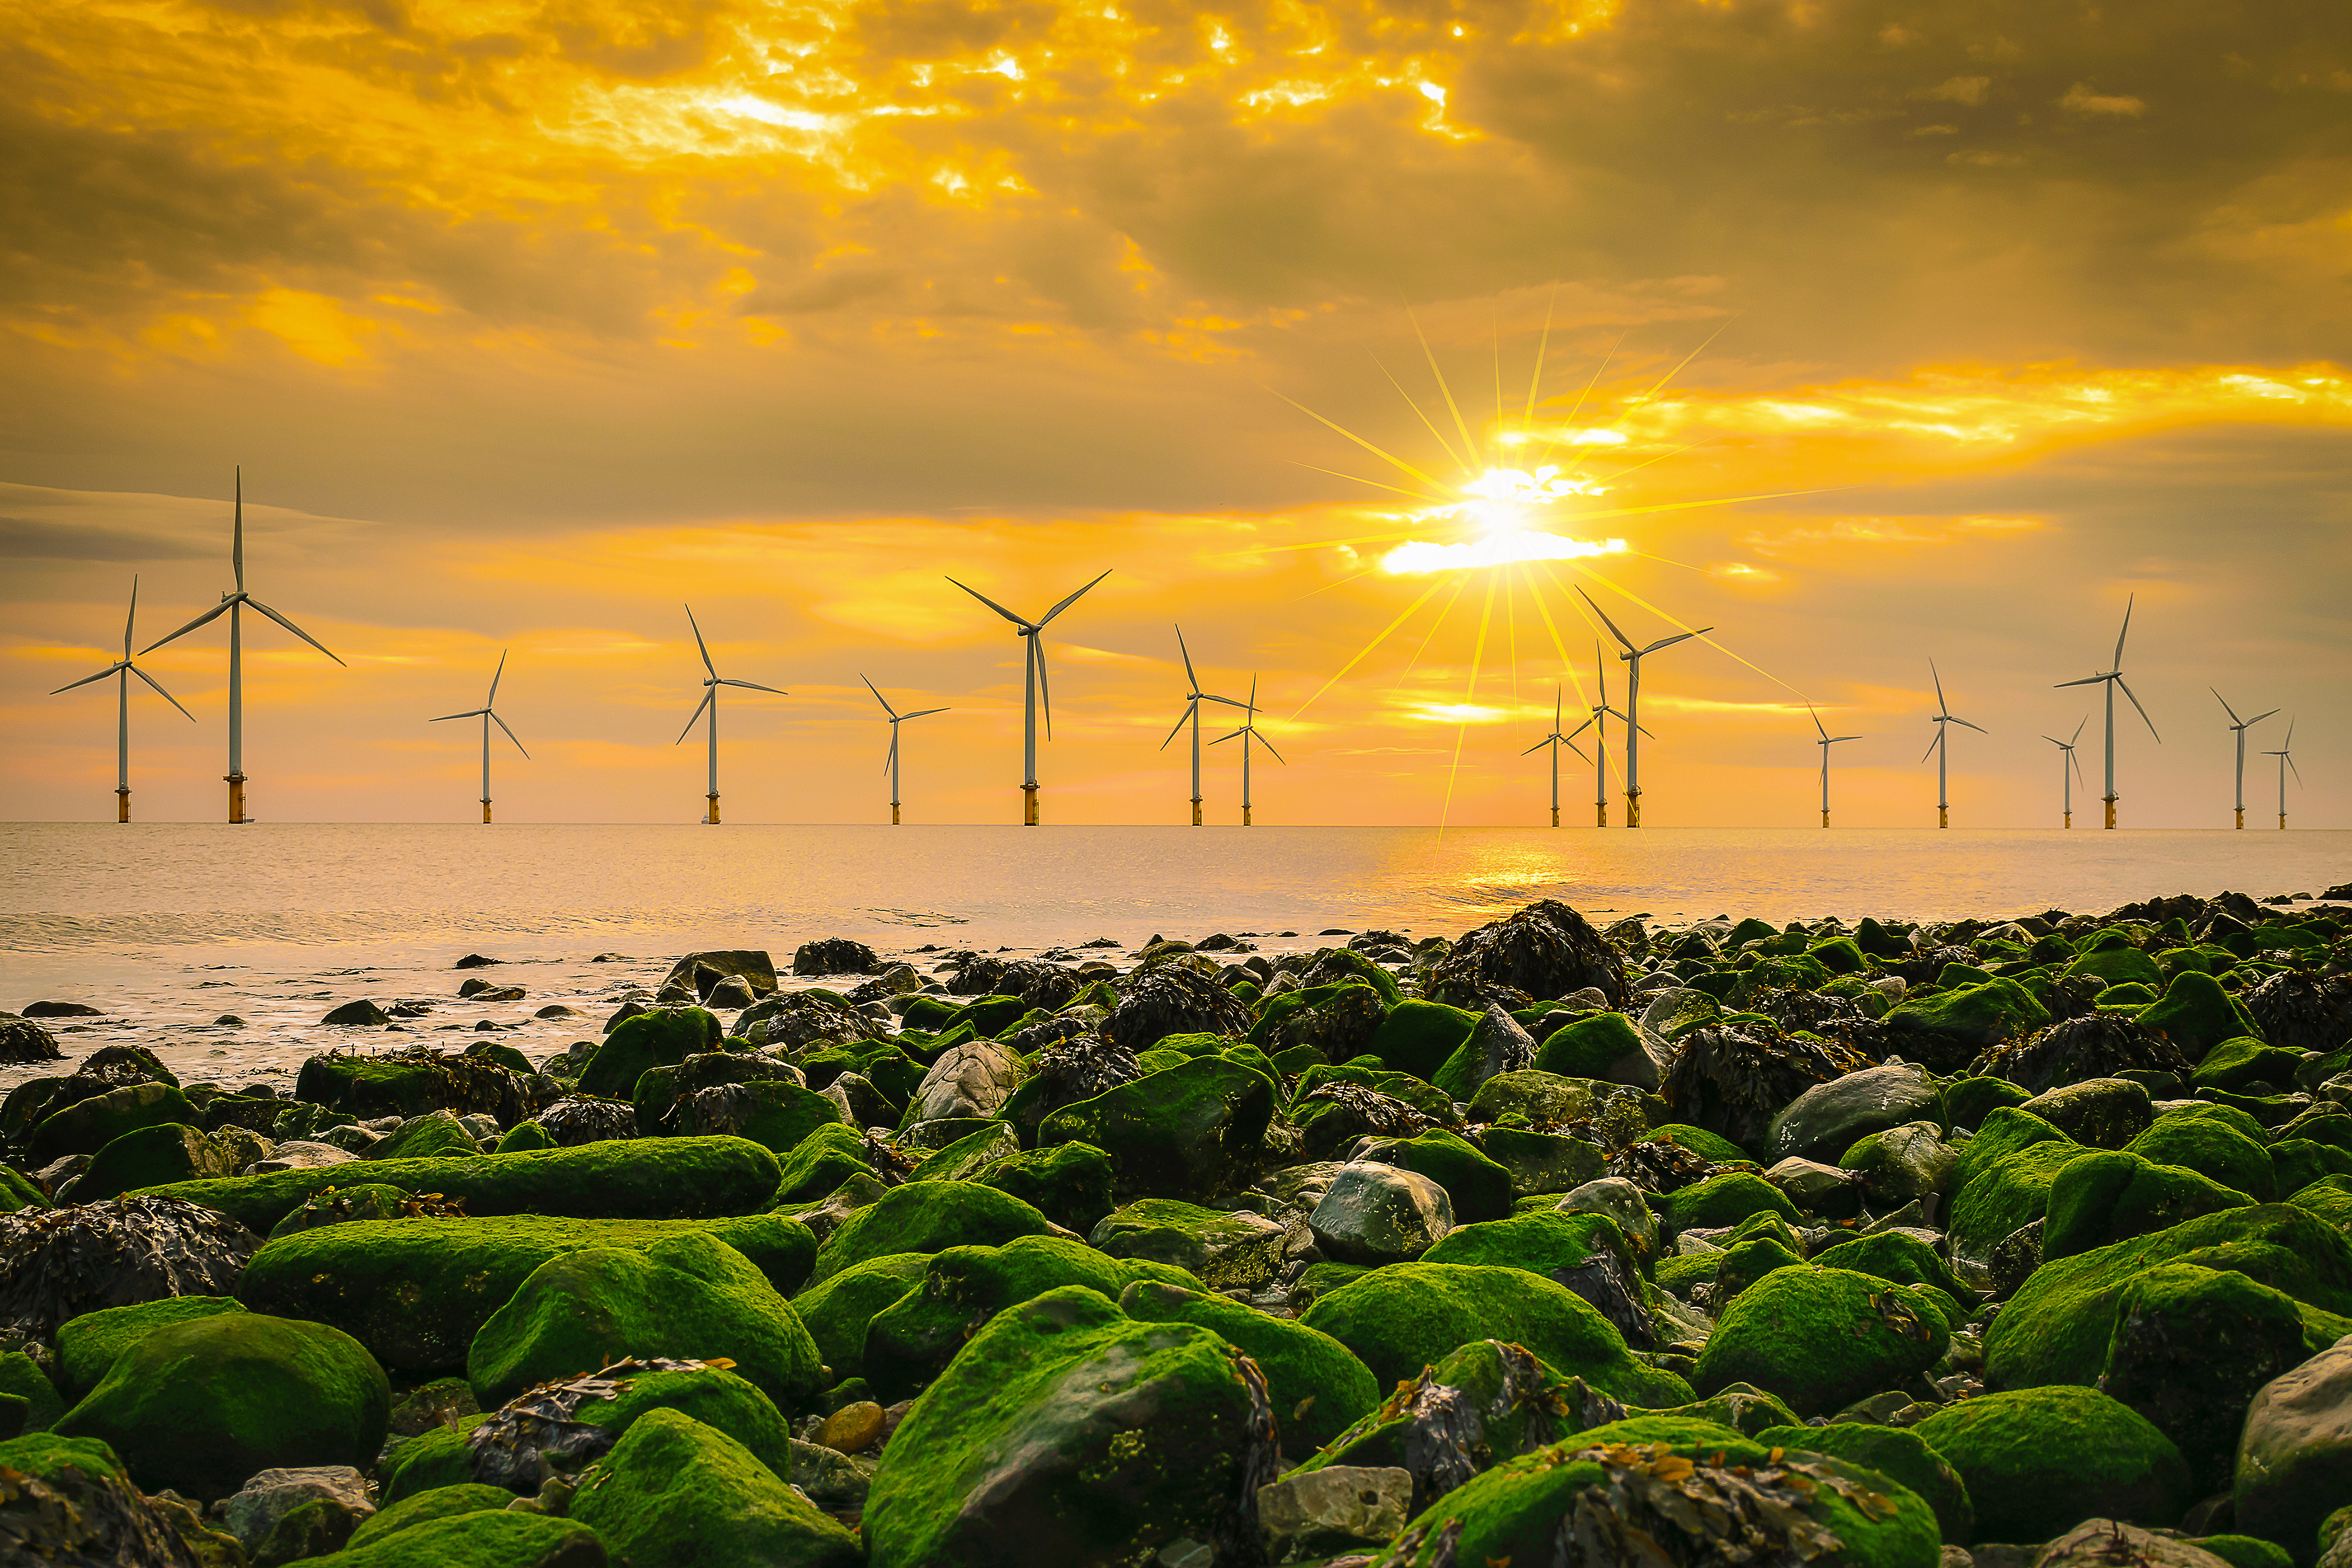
[1249, 735]
[233, 606]
[488, 717]
[1192, 701]
[1939, 748]
[710, 703]
[1036, 686]
[1825, 742]
[122, 669]
[1632, 657]
[2240, 726]
[1600, 712]
[1556, 741]
[2066, 761]
[2286, 760]
[2111, 679]
[890, 763]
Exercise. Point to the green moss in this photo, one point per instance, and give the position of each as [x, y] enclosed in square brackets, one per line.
[927, 1217]
[1893, 1452]
[431, 1136]
[1095, 1465]
[1821, 1338]
[1404, 1317]
[1540, 1242]
[1069, 1184]
[2119, 967]
[1186, 1132]
[201, 1405]
[18, 1191]
[523, 1136]
[2243, 1550]
[1417, 1037]
[1518, 1407]
[1743, 1263]
[1318, 1386]
[685, 1296]
[1956, 1025]
[1479, 1188]
[821, 1161]
[1223, 1249]
[675, 1493]
[21, 1376]
[2297, 1162]
[2112, 1196]
[2004, 1177]
[1706, 1145]
[441, 1502]
[2330, 1198]
[712, 1396]
[149, 1156]
[482, 1539]
[88, 1345]
[1724, 1200]
[2191, 1348]
[88, 1125]
[340, 1206]
[2234, 1064]
[663, 1038]
[838, 1311]
[1538, 1162]
[2196, 1014]
[438, 1459]
[416, 1291]
[1590, 1047]
[2211, 1146]
[1968, 1100]
[1892, 1255]
[2038, 1461]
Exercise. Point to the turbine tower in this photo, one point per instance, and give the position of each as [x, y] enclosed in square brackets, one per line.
[489, 717]
[122, 669]
[2111, 679]
[890, 763]
[2285, 755]
[2066, 761]
[1556, 741]
[1035, 685]
[1825, 742]
[2241, 726]
[710, 686]
[1248, 733]
[1599, 712]
[1632, 657]
[1192, 712]
[1940, 749]
[233, 606]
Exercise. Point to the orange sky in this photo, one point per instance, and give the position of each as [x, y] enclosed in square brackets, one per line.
[1875, 333]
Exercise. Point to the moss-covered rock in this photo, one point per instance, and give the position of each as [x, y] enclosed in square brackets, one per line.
[2294, 1457]
[1186, 1132]
[87, 1346]
[2197, 1014]
[662, 1037]
[1069, 1184]
[486, 1538]
[1744, 1262]
[408, 1083]
[1225, 1251]
[1952, 1027]
[2003, 1178]
[1318, 1386]
[441, 1502]
[88, 1125]
[524, 1136]
[416, 1291]
[1724, 1199]
[2038, 1461]
[1900, 1455]
[200, 1404]
[677, 1493]
[1823, 1338]
[1418, 1036]
[1897, 1256]
[2209, 1145]
[687, 1296]
[820, 1163]
[927, 1217]
[2113, 1196]
[653, 1178]
[1541, 1241]
[2236, 1065]
[434, 1136]
[1829, 1118]
[21, 1377]
[838, 1311]
[1067, 1432]
[1605, 1045]
[2099, 1112]
[1968, 1100]
[2117, 965]
[1485, 1402]
[149, 1156]
[1399, 1319]
[1539, 1163]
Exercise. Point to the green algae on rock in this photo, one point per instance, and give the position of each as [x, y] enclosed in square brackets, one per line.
[1821, 1338]
[2038, 1461]
[1317, 1384]
[89, 1345]
[1186, 1131]
[677, 1493]
[927, 1217]
[1903, 1456]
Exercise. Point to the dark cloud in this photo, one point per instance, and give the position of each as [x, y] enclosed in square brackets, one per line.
[24, 539]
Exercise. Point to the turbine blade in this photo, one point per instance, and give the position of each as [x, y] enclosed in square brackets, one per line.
[2086, 680]
[1645, 730]
[755, 686]
[920, 713]
[879, 698]
[2143, 713]
[2291, 768]
[993, 605]
[1978, 728]
[1188, 706]
[1045, 686]
[2057, 743]
[1817, 727]
[1190, 679]
[2078, 766]
[491, 699]
[1229, 735]
[237, 548]
[1625, 641]
[2118, 664]
[217, 610]
[1580, 728]
[1065, 604]
[468, 713]
[700, 643]
[1937, 677]
[290, 626]
[1539, 745]
[1228, 702]
[1933, 744]
[1678, 637]
[510, 734]
[709, 697]
[1835, 739]
[1270, 751]
[102, 674]
[2078, 728]
[131, 617]
[892, 755]
[159, 692]
[2235, 723]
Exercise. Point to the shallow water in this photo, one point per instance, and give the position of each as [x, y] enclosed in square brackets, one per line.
[167, 926]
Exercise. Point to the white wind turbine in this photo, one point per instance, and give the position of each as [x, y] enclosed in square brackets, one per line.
[890, 763]
[2241, 726]
[1556, 741]
[489, 717]
[233, 606]
[1249, 735]
[2070, 768]
[1600, 712]
[1633, 656]
[1825, 742]
[713, 680]
[1035, 685]
[2286, 760]
[2111, 679]
[1192, 701]
[1940, 749]
[122, 669]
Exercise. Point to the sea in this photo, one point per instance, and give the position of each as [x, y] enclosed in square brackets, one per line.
[169, 928]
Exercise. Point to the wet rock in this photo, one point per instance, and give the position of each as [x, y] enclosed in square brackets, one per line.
[357, 1014]
[1315, 1514]
[677, 1493]
[731, 993]
[1734, 1081]
[751, 965]
[836, 955]
[2038, 1461]
[57, 1264]
[1828, 1190]
[254, 1509]
[2294, 1455]
[1623, 1202]
[975, 1079]
[2100, 1112]
[1163, 1000]
[2303, 1011]
[1185, 1131]
[1223, 1250]
[581, 1118]
[299, 1155]
[1497, 1044]
[1819, 1338]
[1827, 1119]
[830, 1478]
[1373, 1215]
[2101, 1045]
[2102, 1542]
[1546, 950]
[1905, 1164]
[74, 1504]
[1031, 982]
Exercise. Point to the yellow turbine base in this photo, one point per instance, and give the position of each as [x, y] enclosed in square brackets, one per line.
[1599, 813]
[712, 820]
[1196, 811]
[486, 808]
[893, 814]
[1555, 817]
[1633, 809]
[2281, 822]
[2111, 809]
[235, 796]
[1028, 805]
[123, 805]
[2241, 816]
[1825, 820]
[2070, 819]
[1245, 817]
[1943, 816]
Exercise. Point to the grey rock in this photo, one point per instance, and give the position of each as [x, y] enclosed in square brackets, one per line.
[1826, 1119]
[1497, 1044]
[1816, 1188]
[2294, 1453]
[1910, 1162]
[243, 1145]
[254, 1509]
[975, 1079]
[1380, 1213]
[752, 964]
[860, 1103]
[1239, 1250]
[351, 1140]
[356, 1015]
[732, 993]
[832, 1479]
[2103, 1112]
[2101, 1542]
[1317, 1512]
[301, 1154]
[1621, 1201]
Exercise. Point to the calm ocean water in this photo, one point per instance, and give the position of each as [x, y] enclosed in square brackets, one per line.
[169, 926]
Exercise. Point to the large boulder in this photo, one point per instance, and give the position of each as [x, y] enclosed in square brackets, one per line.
[839, 1310]
[1372, 1215]
[927, 1217]
[2101, 1113]
[2294, 1453]
[1318, 1386]
[1546, 950]
[2038, 1461]
[1823, 1338]
[1893, 1452]
[2206, 1140]
[470, 1536]
[58, 1264]
[975, 1079]
[199, 1406]
[687, 1296]
[1733, 1080]
[410, 1083]
[150, 1157]
[1223, 1250]
[1497, 1044]
[2193, 1347]
[677, 1493]
[2097, 1045]
[750, 964]
[1827, 1119]
[2113, 1196]
[88, 1125]
[1342, 1021]
[2196, 1014]
[89, 1345]
[1605, 1045]
[664, 1036]
[1952, 1027]
[775, 1114]
[1067, 1432]
[1186, 1131]
[1164, 999]
[68, 1502]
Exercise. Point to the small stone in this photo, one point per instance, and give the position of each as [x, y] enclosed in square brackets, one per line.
[477, 961]
[256, 1508]
[353, 1015]
[62, 1010]
[853, 1428]
[228, 1021]
[1375, 1214]
[1330, 1510]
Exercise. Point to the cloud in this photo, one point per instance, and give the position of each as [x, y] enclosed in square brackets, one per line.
[2081, 100]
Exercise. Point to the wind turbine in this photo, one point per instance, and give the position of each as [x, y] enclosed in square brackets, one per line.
[2067, 760]
[1192, 712]
[1825, 742]
[1035, 684]
[1248, 733]
[122, 669]
[2111, 679]
[1632, 657]
[890, 763]
[2241, 726]
[1556, 741]
[1600, 711]
[233, 606]
[1940, 749]
[2286, 760]
[489, 717]
[710, 701]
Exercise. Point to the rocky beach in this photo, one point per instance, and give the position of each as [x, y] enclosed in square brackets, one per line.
[1964, 1244]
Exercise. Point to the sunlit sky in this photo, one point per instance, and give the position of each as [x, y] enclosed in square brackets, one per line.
[1354, 339]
